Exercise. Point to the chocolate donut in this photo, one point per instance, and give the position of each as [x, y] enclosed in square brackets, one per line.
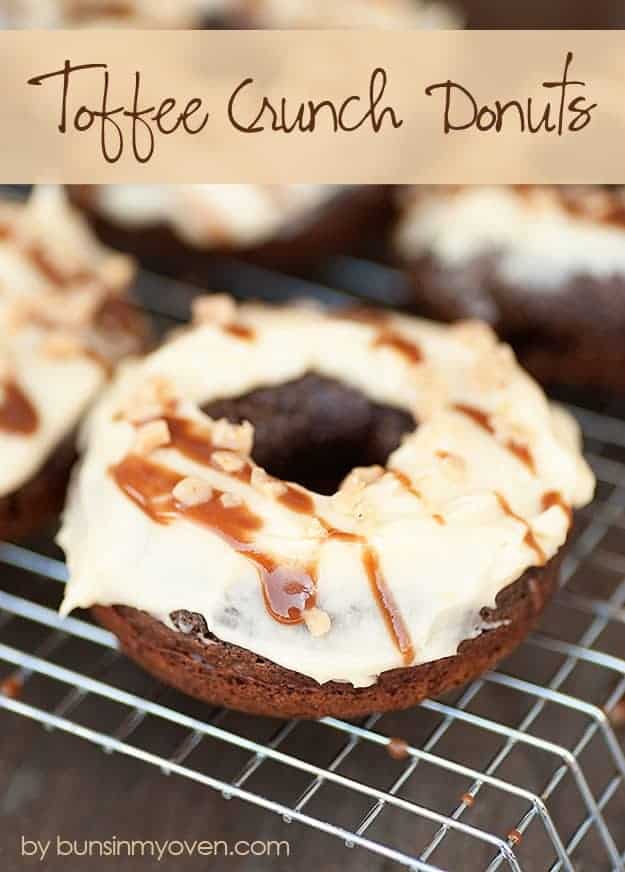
[271, 14]
[297, 513]
[179, 230]
[544, 265]
[64, 323]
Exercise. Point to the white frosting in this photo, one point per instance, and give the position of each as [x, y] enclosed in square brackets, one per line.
[214, 215]
[321, 14]
[440, 571]
[277, 14]
[540, 243]
[45, 326]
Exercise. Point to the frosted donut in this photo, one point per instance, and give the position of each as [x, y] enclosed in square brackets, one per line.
[411, 574]
[64, 322]
[544, 265]
[276, 14]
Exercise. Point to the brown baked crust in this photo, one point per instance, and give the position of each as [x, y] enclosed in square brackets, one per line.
[567, 335]
[34, 504]
[199, 664]
[346, 224]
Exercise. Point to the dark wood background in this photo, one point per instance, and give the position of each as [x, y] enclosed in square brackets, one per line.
[558, 14]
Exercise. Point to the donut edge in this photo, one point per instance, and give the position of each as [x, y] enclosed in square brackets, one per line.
[344, 225]
[222, 674]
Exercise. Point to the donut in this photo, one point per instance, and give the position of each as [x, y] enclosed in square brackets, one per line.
[271, 14]
[110, 13]
[64, 323]
[298, 512]
[545, 266]
[179, 230]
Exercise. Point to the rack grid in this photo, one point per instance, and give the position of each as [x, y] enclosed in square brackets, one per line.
[523, 769]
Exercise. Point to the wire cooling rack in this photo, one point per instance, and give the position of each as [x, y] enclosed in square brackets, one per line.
[523, 769]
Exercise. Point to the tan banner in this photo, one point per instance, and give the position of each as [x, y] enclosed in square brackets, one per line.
[316, 106]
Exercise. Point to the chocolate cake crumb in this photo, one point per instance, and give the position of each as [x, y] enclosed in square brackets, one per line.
[616, 715]
[397, 749]
[189, 623]
[12, 686]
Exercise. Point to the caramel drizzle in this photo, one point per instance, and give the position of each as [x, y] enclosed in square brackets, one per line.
[529, 538]
[17, 413]
[40, 260]
[386, 336]
[405, 482]
[482, 419]
[554, 498]
[523, 453]
[391, 339]
[287, 591]
[387, 605]
[195, 442]
[192, 440]
[240, 331]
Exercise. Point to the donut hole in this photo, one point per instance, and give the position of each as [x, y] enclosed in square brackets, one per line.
[314, 430]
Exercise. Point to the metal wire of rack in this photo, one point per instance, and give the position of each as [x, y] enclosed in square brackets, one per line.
[522, 769]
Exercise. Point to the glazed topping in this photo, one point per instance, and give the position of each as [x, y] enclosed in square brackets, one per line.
[394, 567]
[63, 324]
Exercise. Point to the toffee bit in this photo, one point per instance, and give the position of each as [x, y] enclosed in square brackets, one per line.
[616, 715]
[317, 621]
[151, 436]
[230, 501]
[397, 749]
[233, 437]
[192, 491]
[271, 487]
[213, 309]
[227, 461]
